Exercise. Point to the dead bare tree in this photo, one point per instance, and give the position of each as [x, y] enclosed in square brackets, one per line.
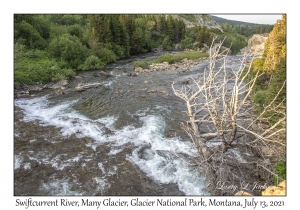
[221, 120]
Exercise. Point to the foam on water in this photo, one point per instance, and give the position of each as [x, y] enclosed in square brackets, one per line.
[58, 187]
[17, 162]
[154, 153]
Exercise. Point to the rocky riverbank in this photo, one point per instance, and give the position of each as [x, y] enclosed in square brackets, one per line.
[24, 90]
[184, 65]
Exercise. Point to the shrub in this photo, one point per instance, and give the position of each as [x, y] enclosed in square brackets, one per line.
[167, 43]
[68, 48]
[30, 34]
[186, 43]
[260, 97]
[92, 63]
[41, 70]
[107, 56]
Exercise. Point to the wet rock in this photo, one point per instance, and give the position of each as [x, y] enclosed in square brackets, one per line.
[60, 92]
[57, 85]
[152, 91]
[103, 73]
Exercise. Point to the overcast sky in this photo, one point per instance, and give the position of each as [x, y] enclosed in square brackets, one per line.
[252, 18]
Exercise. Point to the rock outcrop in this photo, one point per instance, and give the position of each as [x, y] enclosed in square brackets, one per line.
[276, 190]
[200, 20]
[256, 45]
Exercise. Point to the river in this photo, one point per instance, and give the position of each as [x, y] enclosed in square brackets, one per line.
[122, 138]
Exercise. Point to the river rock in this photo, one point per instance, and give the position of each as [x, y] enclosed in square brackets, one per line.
[103, 73]
[138, 69]
[57, 85]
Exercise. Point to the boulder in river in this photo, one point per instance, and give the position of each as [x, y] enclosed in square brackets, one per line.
[103, 73]
[152, 91]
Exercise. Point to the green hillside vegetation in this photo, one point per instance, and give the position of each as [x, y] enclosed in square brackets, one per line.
[52, 47]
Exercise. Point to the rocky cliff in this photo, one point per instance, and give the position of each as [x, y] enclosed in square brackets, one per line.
[256, 45]
[201, 20]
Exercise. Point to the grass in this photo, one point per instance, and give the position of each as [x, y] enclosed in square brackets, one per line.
[280, 170]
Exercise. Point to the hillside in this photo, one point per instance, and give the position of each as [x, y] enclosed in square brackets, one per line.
[233, 22]
[192, 20]
[243, 28]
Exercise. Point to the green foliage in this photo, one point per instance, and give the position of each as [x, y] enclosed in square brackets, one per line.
[107, 56]
[167, 57]
[68, 19]
[69, 49]
[260, 97]
[186, 43]
[167, 44]
[234, 41]
[192, 55]
[142, 64]
[279, 170]
[215, 31]
[92, 63]
[40, 69]
[31, 35]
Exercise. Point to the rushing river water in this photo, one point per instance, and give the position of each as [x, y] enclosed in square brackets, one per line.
[122, 138]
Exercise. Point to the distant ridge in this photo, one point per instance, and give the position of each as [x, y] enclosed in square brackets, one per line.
[235, 22]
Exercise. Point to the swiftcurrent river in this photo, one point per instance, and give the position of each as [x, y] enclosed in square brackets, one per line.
[121, 138]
